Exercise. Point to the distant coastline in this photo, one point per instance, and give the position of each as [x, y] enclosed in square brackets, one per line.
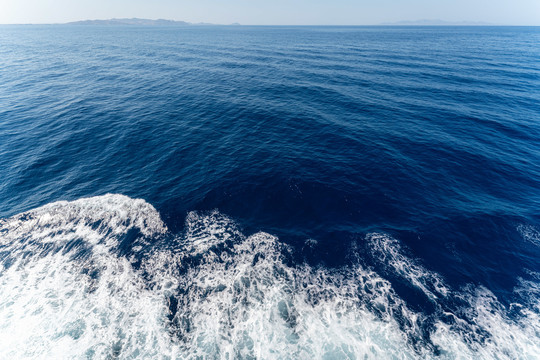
[137, 21]
[165, 22]
[180, 23]
[436, 22]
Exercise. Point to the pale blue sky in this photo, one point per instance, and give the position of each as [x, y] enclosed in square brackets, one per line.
[278, 12]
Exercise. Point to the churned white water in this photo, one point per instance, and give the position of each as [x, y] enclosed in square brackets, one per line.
[103, 278]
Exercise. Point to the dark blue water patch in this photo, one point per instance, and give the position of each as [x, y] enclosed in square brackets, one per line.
[500, 251]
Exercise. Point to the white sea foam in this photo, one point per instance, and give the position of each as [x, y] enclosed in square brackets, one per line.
[389, 252]
[483, 329]
[489, 333]
[529, 233]
[246, 303]
[69, 291]
[54, 304]
[206, 231]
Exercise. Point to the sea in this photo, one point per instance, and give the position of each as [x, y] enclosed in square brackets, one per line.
[269, 192]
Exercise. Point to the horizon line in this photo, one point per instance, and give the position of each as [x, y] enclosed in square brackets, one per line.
[277, 25]
[404, 23]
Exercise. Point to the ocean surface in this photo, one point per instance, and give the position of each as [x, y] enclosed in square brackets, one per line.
[269, 192]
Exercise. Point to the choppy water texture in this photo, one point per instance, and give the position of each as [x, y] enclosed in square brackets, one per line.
[309, 192]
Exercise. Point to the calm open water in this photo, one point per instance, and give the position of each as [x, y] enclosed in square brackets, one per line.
[269, 192]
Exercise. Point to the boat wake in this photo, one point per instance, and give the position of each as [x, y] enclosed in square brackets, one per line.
[103, 277]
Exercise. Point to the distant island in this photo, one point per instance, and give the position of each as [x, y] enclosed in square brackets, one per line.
[436, 22]
[137, 21]
[166, 22]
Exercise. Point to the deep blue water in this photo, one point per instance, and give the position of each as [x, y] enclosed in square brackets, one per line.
[407, 158]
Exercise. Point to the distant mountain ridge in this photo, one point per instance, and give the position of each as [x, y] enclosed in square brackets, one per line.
[135, 21]
[437, 22]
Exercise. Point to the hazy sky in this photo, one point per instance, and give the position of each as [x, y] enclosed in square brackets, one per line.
[278, 12]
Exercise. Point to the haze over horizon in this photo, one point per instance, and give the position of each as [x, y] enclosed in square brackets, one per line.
[278, 12]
